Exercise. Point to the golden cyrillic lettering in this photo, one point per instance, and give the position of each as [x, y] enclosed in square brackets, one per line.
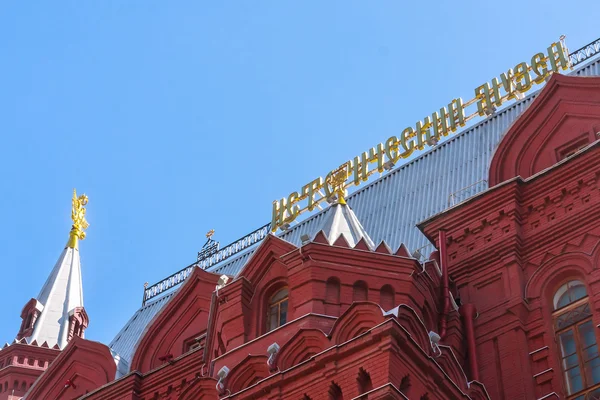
[522, 77]
[278, 214]
[360, 168]
[508, 84]
[407, 143]
[376, 155]
[291, 207]
[456, 114]
[557, 57]
[484, 100]
[423, 129]
[440, 123]
[391, 149]
[539, 66]
[309, 191]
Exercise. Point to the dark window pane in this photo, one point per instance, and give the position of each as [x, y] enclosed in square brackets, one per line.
[570, 361]
[563, 301]
[283, 313]
[586, 334]
[590, 352]
[594, 375]
[273, 316]
[282, 294]
[569, 293]
[567, 343]
[577, 292]
[574, 380]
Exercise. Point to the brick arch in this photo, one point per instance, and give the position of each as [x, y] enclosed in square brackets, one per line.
[548, 277]
[303, 344]
[185, 315]
[200, 389]
[87, 364]
[412, 323]
[449, 363]
[558, 121]
[264, 294]
[358, 318]
[247, 372]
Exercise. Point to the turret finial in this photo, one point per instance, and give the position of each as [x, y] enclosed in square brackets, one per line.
[79, 223]
[337, 181]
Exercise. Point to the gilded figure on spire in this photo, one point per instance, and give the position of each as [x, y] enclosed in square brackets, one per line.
[337, 180]
[78, 217]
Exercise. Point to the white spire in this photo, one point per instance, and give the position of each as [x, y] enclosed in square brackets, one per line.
[60, 296]
[57, 314]
[340, 220]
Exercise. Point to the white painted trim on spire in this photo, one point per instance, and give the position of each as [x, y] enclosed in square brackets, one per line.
[60, 295]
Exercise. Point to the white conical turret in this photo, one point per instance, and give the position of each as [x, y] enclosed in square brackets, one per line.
[57, 314]
[340, 220]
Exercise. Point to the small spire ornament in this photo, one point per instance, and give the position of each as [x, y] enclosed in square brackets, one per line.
[79, 222]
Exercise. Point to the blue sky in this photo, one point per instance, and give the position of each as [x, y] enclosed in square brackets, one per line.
[183, 116]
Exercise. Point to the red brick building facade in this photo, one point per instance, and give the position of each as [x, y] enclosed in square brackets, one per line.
[505, 308]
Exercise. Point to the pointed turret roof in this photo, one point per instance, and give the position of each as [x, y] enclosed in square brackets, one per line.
[340, 220]
[62, 295]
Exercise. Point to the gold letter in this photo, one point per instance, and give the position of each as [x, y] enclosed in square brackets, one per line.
[391, 149]
[423, 128]
[360, 168]
[522, 73]
[539, 65]
[509, 87]
[456, 114]
[309, 191]
[376, 155]
[440, 123]
[278, 214]
[292, 212]
[556, 54]
[404, 138]
[484, 102]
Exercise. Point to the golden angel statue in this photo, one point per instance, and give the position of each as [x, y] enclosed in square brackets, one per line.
[78, 217]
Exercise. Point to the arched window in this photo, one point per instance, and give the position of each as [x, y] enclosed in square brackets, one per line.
[576, 340]
[364, 381]
[332, 291]
[335, 392]
[278, 307]
[386, 297]
[359, 291]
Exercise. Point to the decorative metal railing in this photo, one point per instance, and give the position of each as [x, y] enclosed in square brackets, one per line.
[211, 254]
[207, 257]
[167, 283]
[467, 192]
[589, 50]
[208, 260]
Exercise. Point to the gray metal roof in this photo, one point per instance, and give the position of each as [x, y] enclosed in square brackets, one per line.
[126, 341]
[340, 221]
[390, 207]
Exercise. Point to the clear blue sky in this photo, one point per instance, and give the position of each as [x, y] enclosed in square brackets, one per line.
[183, 116]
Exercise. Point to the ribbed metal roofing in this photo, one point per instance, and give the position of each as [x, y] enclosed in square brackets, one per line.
[340, 221]
[390, 207]
[126, 341]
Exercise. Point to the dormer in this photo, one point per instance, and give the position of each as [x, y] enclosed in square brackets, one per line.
[564, 119]
[29, 316]
[78, 323]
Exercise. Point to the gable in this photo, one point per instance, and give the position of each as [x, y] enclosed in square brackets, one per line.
[183, 319]
[562, 120]
[80, 368]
